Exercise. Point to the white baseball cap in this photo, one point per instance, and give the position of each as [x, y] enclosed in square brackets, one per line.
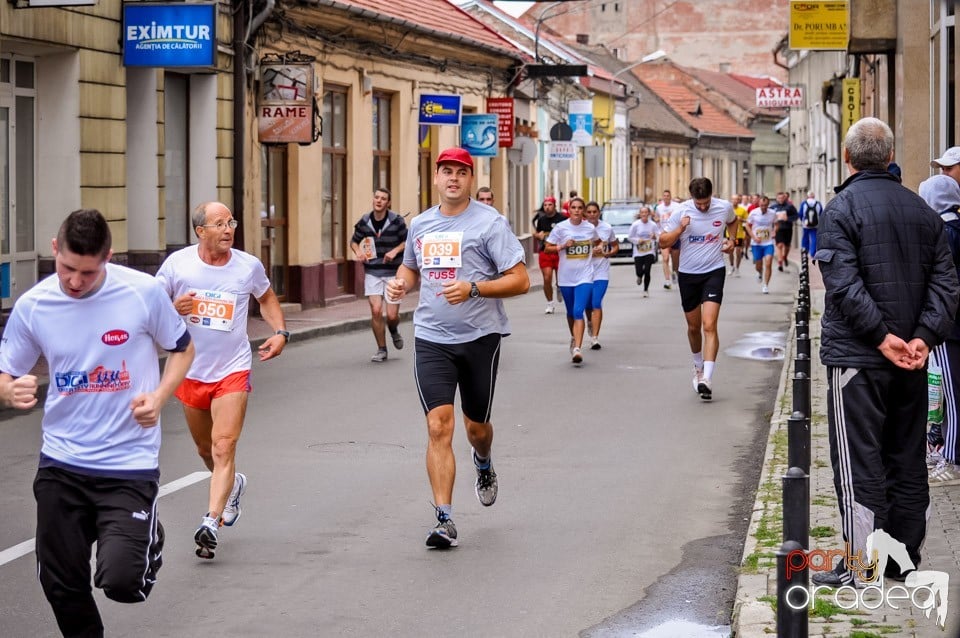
[950, 158]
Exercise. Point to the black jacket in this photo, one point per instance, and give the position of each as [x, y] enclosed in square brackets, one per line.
[886, 268]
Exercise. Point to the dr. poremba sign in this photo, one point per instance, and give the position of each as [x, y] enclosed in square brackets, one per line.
[169, 35]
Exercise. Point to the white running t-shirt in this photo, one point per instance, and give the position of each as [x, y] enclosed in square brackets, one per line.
[102, 353]
[666, 211]
[218, 324]
[643, 236]
[701, 242]
[601, 265]
[576, 262]
[763, 226]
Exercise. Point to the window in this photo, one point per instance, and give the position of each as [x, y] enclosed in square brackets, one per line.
[943, 72]
[382, 112]
[333, 230]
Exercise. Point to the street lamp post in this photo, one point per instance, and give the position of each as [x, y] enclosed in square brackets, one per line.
[536, 38]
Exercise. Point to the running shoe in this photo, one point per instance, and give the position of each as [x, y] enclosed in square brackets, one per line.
[837, 577]
[639, 281]
[577, 357]
[486, 486]
[673, 278]
[231, 511]
[765, 290]
[697, 378]
[705, 390]
[595, 343]
[379, 357]
[666, 286]
[549, 309]
[206, 537]
[442, 536]
[944, 473]
[397, 340]
[646, 293]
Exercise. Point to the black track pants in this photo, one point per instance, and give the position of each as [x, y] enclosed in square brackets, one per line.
[73, 511]
[877, 448]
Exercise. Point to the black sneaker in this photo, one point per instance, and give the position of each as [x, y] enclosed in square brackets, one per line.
[442, 536]
[486, 486]
[837, 577]
[397, 340]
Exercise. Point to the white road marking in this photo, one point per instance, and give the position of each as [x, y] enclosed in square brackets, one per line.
[13, 553]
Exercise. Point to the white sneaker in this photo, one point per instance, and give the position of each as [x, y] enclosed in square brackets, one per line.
[765, 290]
[705, 389]
[549, 309]
[231, 511]
[697, 378]
[595, 343]
[577, 358]
[646, 294]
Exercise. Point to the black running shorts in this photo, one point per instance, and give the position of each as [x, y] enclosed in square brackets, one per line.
[441, 367]
[696, 289]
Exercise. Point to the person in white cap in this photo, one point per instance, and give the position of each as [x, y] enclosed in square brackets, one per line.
[949, 164]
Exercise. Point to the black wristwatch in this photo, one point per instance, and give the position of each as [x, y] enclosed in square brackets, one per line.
[474, 291]
[286, 335]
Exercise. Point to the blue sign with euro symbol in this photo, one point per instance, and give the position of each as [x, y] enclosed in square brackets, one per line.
[478, 134]
[440, 109]
[165, 35]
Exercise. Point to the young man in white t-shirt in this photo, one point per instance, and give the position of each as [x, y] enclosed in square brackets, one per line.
[699, 227]
[98, 325]
[211, 283]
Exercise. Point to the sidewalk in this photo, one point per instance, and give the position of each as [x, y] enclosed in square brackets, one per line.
[754, 614]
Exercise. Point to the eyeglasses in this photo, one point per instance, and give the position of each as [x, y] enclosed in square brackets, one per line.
[222, 225]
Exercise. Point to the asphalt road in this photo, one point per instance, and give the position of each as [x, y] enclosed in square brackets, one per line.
[623, 498]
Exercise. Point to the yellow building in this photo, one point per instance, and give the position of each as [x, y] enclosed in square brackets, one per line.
[141, 137]
[370, 70]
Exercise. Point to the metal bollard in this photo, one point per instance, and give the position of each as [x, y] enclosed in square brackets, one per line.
[803, 347]
[796, 506]
[802, 361]
[798, 441]
[792, 617]
[803, 328]
[801, 393]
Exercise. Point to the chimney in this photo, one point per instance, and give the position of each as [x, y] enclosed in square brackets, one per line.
[583, 38]
[724, 67]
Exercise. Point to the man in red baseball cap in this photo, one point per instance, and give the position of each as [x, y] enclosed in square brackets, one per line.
[467, 261]
[455, 156]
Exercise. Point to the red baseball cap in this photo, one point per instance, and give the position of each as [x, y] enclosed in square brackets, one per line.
[456, 156]
[551, 199]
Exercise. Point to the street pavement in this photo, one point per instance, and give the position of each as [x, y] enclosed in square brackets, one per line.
[754, 613]
[624, 499]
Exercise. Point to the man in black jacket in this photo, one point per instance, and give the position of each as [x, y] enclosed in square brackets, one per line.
[891, 295]
[377, 242]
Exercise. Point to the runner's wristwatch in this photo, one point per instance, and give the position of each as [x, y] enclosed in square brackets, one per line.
[286, 335]
[474, 291]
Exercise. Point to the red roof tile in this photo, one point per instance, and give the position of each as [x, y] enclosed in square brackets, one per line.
[685, 103]
[742, 89]
[437, 15]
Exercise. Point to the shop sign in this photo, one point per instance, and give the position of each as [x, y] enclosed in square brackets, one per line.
[819, 26]
[503, 107]
[849, 105]
[478, 134]
[780, 97]
[285, 105]
[440, 109]
[169, 35]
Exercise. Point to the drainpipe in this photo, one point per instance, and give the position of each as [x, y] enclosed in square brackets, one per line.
[240, 47]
